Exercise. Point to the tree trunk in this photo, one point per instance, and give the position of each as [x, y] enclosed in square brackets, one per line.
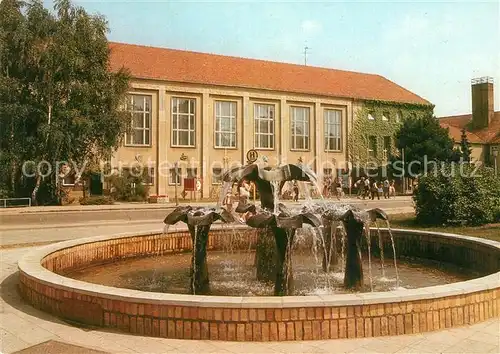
[35, 190]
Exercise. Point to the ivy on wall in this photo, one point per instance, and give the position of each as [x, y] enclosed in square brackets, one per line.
[363, 128]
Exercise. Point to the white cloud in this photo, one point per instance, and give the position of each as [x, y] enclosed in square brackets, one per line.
[311, 27]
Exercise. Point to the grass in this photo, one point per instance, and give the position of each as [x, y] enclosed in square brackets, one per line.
[407, 221]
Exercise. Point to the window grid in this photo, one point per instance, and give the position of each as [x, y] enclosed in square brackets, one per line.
[216, 175]
[149, 178]
[333, 129]
[225, 124]
[139, 107]
[183, 122]
[264, 126]
[175, 176]
[192, 172]
[300, 128]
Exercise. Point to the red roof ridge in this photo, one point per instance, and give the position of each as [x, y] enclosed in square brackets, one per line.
[176, 65]
[256, 59]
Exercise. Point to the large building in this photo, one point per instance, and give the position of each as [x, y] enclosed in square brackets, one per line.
[205, 112]
[482, 127]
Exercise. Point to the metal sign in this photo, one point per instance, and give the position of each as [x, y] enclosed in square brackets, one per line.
[252, 155]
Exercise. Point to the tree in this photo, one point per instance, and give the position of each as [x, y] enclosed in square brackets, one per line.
[58, 100]
[465, 149]
[423, 141]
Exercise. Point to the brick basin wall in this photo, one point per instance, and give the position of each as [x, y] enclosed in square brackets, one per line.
[261, 318]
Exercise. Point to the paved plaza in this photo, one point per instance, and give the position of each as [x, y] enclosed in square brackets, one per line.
[27, 330]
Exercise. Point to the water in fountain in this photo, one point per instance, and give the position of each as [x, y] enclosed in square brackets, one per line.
[381, 248]
[194, 259]
[275, 185]
[368, 242]
[226, 186]
[342, 252]
[394, 252]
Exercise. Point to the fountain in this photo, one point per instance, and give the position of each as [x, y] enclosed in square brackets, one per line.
[106, 280]
[273, 260]
[199, 220]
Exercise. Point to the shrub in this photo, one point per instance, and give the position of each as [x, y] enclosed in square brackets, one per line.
[448, 196]
[129, 187]
[96, 200]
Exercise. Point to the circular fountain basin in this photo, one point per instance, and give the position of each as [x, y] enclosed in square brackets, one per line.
[260, 318]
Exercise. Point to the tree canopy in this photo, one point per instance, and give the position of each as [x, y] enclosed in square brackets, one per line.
[465, 146]
[424, 140]
[58, 99]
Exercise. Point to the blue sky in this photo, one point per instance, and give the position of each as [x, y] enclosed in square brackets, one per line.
[430, 48]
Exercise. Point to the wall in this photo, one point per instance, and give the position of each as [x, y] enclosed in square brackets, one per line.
[205, 155]
[408, 311]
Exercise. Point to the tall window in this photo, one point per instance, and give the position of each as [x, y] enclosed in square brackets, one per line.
[264, 126]
[183, 121]
[225, 124]
[192, 172]
[175, 176]
[216, 175]
[372, 146]
[386, 116]
[300, 128]
[333, 129]
[399, 115]
[139, 107]
[149, 178]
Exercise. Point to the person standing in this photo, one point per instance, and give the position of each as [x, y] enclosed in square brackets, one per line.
[392, 189]
[386, 188]
[366, 192]
[295, 191]
[338, 187]
[375, 190]
[244, 193]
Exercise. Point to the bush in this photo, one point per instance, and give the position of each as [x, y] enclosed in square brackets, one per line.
[96, 200]
[129, 187]
[448, 196]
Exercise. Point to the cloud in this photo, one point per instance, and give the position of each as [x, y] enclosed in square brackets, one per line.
[311, 27]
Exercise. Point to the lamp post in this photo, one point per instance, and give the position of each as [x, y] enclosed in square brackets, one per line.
[404, 181]
[183, 157]
[176, 164]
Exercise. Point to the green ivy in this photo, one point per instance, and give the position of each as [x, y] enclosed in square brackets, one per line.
[363, 128]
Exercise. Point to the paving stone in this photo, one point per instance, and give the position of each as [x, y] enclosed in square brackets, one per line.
[56, 347]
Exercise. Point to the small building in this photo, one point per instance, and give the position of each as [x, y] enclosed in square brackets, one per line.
[204, 112]
[482, 127]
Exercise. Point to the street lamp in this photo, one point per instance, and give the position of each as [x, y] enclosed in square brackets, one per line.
[183, 157]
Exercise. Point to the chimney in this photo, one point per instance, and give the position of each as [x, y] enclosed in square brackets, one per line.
[482, 102]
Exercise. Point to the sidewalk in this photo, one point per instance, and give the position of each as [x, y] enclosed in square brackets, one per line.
[140, 206]
[21, 235]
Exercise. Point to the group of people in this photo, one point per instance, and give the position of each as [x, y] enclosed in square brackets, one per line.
[373, 188]
[244, 188]
[333, 187]
[365, 186]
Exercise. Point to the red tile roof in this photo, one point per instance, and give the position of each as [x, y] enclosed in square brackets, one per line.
[201, 68]
[489, 135]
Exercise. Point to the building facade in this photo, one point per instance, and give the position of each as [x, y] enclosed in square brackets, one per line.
[482, 127]
[196, 115]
